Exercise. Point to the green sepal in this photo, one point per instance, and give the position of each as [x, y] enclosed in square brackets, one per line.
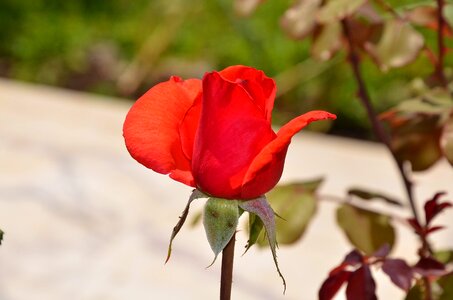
[196, 194]
[255, 228]
[261, 208]
[220, 219]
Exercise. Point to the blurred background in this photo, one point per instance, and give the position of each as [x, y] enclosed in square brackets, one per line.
[121, 48]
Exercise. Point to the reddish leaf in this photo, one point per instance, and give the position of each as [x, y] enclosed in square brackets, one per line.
[365, 32]
[383, 251]
[434, 228]
[361, 285]
[433, 208]
[332, 284]
[354, 257]
[415, 138]
[338, 269]
[426, 16]
[399, 272]
[430, 267]
[416, 226]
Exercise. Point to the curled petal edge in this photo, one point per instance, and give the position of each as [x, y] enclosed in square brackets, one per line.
[282, 141]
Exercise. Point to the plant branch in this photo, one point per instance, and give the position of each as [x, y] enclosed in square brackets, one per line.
[226, 277]
[389, 8]
[340, 200]
[428, 293]
[440, 43]
[377, 127]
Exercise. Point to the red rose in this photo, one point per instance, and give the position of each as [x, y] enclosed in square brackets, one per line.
[214, 134]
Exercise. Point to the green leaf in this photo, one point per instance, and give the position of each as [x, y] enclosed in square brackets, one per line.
[448, 13]
[263, 210]
[196, 194]
[327, 42]
[446, 141]
[415, 293]
[444, 256]
[220, 219]
[296, 204]
[435, 101]
[196, 219]
[299, 20]
[446, 283]
[367, 231]
[399, 45]
[372, 195]
[336, 10]
[420, 105]
[255, 228]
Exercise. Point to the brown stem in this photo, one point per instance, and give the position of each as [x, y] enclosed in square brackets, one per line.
[440, 43]
[226, 277]
[377, 127]
[428, 294]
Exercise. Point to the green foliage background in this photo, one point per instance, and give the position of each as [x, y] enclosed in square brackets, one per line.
[52, 42]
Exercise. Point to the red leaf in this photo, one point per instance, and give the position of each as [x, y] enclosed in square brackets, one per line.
[351, 259]
[361, 285]
[332, 284]
[430, 267]
[383, 251]
[399, 272]
[416, 226]
[433, 208]
[354, 257]
[338, 269]
[434, 228]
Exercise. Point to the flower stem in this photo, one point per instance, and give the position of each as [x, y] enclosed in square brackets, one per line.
[440, 43]
[226, 277]
[377, 127]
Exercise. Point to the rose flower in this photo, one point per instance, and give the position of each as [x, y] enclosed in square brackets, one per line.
[214, 134]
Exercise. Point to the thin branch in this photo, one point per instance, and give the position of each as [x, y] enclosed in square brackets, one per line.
[440, 43]
[226, 277]
[428, 293]
[377, 127]
[387, 7]
[340, 200]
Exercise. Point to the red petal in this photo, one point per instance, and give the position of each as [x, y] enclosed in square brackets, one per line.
[267, 167]
[261, 88]
[231, 133]
[152, 128]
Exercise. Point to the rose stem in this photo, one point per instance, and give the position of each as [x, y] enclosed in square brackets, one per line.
[226, 277]
[377, 127]
[440, 43]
